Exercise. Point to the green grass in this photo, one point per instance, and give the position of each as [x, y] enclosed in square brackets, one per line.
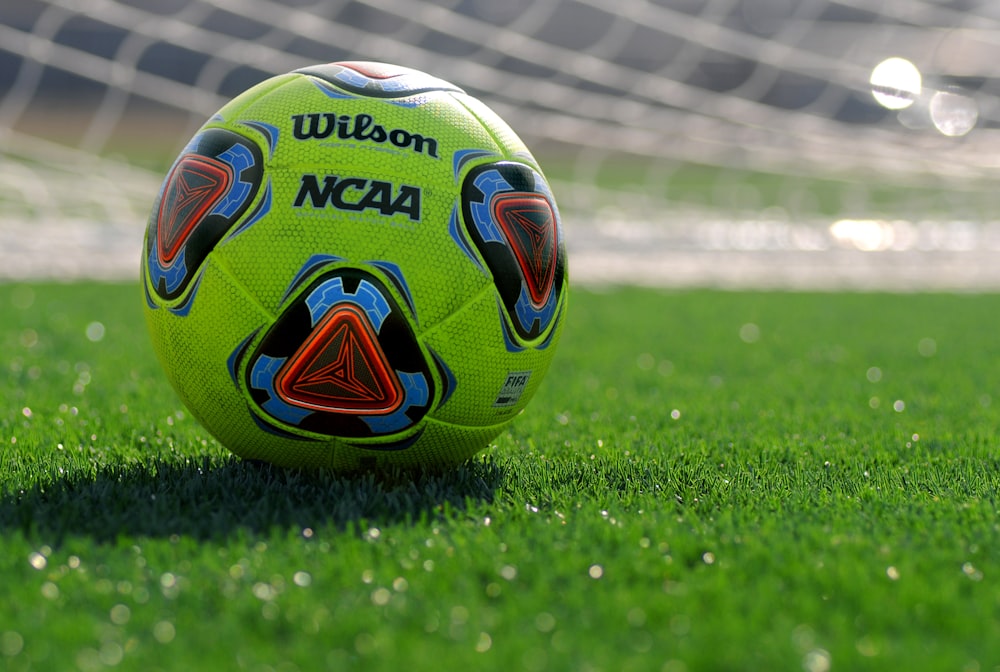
[675, 498]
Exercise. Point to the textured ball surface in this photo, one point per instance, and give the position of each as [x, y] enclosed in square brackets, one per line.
[355, 264]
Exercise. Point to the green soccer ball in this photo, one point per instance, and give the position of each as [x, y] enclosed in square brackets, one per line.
[355, 265]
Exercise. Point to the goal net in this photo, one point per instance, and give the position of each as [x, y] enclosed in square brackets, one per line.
[767, 142]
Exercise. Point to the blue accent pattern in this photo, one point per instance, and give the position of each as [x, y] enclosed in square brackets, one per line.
[450, 382]
[149, 298]
[416, 393]
[489, 182]
[270, 132]
[509, 340]
[548, 340]
[275, 431]
[182, 309]
[463, 156]
[234, 357]
[239, 159]
[331, 292]
[312, 263]
[411, 102]
[173, 274]
[330, 92]
[396, 84]
[396, 273]
[400, 84]
[352, 78]
[459, 237]
[263, 207]
[323, 297]
[262, 378]
[527, 314]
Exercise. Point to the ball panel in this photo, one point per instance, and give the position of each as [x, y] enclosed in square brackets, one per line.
[495, 377]
[500, 132]
[363, 200]
[207, 191]
[341, 360]
[512, 219]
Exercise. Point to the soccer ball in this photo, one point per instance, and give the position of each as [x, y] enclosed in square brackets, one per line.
[355, 265]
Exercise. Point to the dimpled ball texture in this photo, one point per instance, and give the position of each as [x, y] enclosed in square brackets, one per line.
[355, 265]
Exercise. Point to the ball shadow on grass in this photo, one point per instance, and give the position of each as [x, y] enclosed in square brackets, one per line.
[211, 498]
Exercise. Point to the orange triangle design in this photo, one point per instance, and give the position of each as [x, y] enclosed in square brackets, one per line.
[528, 224]
[195, 186]
[341, 367]
[349, 370]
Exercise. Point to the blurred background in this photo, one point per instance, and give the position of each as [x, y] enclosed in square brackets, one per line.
[717, 143]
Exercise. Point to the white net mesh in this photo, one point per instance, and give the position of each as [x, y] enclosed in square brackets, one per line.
[689, 141]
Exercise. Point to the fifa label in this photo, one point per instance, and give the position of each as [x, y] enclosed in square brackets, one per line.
[356, 194]
[512, 388]
[361, 127]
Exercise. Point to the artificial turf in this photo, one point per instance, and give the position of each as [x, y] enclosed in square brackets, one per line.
[706, 481]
